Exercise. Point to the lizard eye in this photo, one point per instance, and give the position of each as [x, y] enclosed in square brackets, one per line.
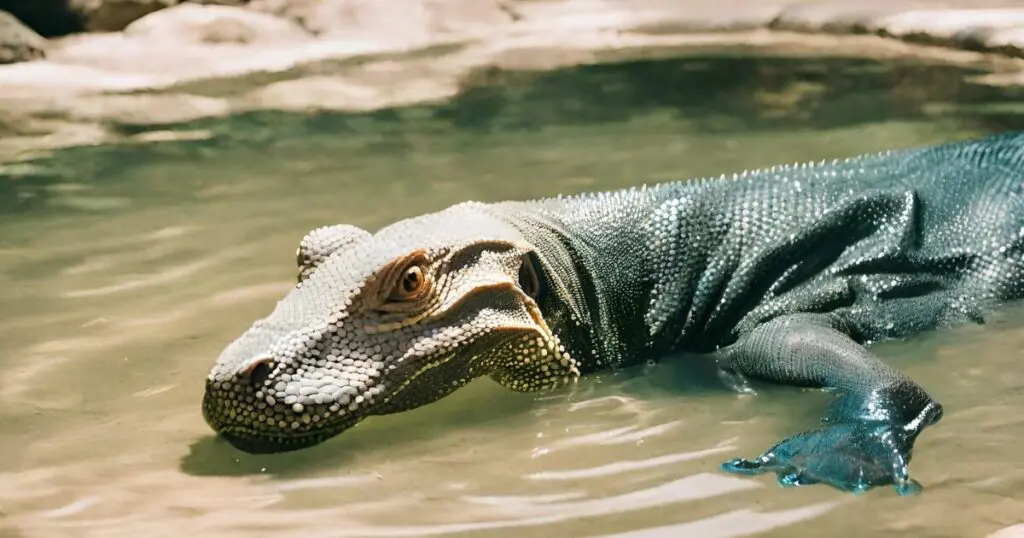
[410, 285]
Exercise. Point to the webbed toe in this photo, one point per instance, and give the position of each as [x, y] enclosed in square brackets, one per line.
[853, 457]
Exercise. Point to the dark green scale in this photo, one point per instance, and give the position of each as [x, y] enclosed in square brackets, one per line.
[785, 273]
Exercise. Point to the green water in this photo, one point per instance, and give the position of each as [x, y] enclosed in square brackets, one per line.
[127, 268]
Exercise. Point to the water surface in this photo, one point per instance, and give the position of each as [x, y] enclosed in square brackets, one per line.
[127, 268]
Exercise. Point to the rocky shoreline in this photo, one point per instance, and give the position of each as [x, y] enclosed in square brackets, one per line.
[151, 62]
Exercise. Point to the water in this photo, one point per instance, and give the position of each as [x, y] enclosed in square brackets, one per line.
[127, 268]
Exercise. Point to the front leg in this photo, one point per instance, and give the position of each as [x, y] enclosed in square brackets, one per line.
[869, 430]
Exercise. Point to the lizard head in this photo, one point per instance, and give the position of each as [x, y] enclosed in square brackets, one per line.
[384, 323]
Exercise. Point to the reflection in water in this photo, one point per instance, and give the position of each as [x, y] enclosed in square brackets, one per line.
[128, 268]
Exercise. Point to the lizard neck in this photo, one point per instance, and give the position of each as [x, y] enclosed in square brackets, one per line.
[597, 250]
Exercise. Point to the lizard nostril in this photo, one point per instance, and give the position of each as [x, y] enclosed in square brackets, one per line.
[258, 371]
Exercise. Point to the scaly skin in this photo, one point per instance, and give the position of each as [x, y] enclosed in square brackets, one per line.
[784, 275]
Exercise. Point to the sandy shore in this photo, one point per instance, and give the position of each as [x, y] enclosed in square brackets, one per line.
[191, 61]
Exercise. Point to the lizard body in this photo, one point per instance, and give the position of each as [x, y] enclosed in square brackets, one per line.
[786, 274]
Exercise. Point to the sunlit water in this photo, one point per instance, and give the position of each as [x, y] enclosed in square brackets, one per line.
[127, 269]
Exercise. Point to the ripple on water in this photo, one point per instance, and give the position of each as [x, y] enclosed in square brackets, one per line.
[620, 467]
[736, 523]
[529, 512]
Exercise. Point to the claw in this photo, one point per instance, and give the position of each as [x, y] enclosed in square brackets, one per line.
[795, 478]
[745, 466]
[908, 488]
[859, 489]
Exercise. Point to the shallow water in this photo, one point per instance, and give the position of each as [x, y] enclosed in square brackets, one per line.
[127, 269]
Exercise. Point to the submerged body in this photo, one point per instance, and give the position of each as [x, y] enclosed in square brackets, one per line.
[783, 274]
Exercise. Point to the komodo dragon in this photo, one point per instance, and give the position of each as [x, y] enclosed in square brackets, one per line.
[783, 274]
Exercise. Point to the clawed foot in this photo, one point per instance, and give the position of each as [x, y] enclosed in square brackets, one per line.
[852, 457]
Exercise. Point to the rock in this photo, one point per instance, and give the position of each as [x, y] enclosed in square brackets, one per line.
[214, 24]
[49, 18]
[142, 108]
[973, 27]
[987, 25]
[1009, 41]
[53, 18]
[18, 43]
[869, 16]
[119, 62]
[420, 21]
[116, 15]
[648, 16]
[343, 94]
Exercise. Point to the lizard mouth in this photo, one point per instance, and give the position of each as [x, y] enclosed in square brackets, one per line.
[248, 436]
[257, 444]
